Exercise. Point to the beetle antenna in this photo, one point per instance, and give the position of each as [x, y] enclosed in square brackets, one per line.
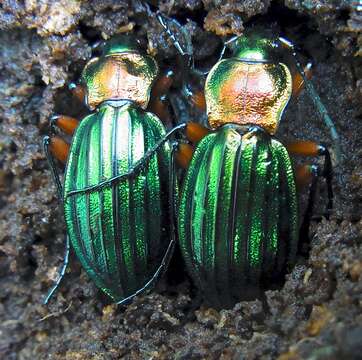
[164, 20]
[226, 43]
[185, 54]
[316, 101]
[161, 19]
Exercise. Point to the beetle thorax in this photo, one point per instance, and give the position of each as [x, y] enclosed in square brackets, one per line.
[250, 93]
[122, 76]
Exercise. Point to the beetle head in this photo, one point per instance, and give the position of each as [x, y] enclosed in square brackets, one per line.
[254, 47]
[121, 44]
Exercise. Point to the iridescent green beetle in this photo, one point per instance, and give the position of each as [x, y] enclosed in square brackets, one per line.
[118, 186]
[238, 219]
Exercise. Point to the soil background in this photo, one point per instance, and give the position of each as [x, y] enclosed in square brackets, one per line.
[315, 314]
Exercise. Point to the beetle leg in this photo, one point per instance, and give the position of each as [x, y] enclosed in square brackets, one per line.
[56, 145]
[303, 176]
[195, 96]
[309, 148]
[311, 172]
[48, 143]
[61, 271]
[304, 148]
[195, 132]
[315, 98]
[184, 155]
[298, 81]
[171, 246]
[77, 91]
[59, 148]
[65, 123]
[158, 100]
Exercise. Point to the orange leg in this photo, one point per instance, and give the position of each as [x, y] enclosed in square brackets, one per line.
[197, 98]
[298, 82]
[158, 100]
[59, 148]
[184, 154]
[305, 148]
[306, 173]
[194, 133]
[65, 123]
[78, 91]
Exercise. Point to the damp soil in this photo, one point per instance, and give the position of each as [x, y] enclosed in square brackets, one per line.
[314, 314]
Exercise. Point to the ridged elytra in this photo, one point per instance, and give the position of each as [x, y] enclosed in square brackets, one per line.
[120, 232]
[238, 214]
[238, 218]
[118, 186]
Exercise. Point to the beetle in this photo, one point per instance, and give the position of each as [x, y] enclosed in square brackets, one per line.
[119, 189]
[238, 220]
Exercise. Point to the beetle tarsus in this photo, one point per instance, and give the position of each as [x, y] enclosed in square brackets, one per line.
[304, 228]
[327, 173]
[61, 272]
[55, 176]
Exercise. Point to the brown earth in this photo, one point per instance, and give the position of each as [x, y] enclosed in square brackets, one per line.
[316, 314]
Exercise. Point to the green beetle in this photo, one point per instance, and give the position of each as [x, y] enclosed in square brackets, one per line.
[238, 218]
[118, 187]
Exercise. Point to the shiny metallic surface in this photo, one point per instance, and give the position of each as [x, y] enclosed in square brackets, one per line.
[120, 232]
[246, 93]
[121, 44]
[119, 76]
[253, 46]
[238, 221]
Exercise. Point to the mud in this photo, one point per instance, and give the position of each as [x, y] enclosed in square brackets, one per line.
[315, 314]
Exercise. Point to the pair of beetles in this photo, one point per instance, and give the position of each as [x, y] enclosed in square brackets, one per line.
[234, 213]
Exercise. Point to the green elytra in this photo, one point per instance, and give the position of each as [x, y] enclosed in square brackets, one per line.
[121, 231]
[238, 212]
[238, 216]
